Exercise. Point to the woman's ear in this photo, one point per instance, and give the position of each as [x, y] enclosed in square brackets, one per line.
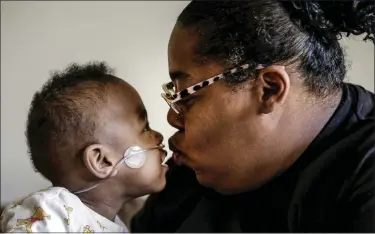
[274, 85]
[100, 161]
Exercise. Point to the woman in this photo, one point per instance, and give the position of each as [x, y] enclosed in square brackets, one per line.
[270, 138]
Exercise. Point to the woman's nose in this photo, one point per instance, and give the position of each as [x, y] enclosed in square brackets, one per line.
[175, 120]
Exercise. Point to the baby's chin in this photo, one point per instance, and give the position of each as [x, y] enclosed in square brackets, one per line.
[158, 182]
[158, 185]
[150, 180]
[161, 185]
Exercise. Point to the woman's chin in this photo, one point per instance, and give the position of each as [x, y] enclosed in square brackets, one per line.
[204, 180]
[215, 184]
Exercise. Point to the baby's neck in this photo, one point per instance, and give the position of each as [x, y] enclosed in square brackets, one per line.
[106, 206]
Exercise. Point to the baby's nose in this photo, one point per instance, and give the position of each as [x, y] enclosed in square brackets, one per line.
[159, 137]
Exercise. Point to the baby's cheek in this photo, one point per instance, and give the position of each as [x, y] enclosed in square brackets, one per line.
[151, 169]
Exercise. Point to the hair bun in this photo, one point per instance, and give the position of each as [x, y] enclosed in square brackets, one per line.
[328, 19]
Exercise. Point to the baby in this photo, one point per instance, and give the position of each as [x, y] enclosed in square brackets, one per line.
[87, 133]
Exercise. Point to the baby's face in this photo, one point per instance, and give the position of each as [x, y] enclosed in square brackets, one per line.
[128, 126]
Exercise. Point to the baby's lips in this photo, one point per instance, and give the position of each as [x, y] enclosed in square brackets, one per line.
[166, 158]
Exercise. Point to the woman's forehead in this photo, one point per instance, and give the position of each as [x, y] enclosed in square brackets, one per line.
[181, 49]
[185, 66]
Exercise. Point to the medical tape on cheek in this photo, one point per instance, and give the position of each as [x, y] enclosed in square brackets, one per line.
[135, 157]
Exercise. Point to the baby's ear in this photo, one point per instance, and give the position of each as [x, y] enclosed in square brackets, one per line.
[100, 161]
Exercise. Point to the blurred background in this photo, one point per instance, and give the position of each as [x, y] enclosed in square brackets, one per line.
[132, 37]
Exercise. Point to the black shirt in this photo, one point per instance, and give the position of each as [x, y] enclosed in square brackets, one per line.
[330, 188]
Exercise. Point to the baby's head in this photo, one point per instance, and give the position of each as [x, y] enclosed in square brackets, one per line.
[81, 124]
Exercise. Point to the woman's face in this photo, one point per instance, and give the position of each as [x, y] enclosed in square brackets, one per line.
[220, 134]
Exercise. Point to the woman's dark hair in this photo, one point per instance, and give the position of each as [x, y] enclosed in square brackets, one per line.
[304, 33]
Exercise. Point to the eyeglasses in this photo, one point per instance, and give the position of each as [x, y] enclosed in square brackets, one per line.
[172, 98]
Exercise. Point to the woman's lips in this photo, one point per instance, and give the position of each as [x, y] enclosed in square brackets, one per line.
[177, 157]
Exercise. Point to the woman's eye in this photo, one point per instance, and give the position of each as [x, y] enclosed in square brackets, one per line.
[187, 102]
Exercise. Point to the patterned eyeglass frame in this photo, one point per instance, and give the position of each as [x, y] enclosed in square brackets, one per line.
[172, 98]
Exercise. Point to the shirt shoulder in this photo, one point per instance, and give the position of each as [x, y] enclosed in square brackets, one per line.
[337, 187]
[49, 210]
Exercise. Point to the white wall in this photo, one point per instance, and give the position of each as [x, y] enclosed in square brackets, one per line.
[360, 61]
[39, 36]
[131, 36]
